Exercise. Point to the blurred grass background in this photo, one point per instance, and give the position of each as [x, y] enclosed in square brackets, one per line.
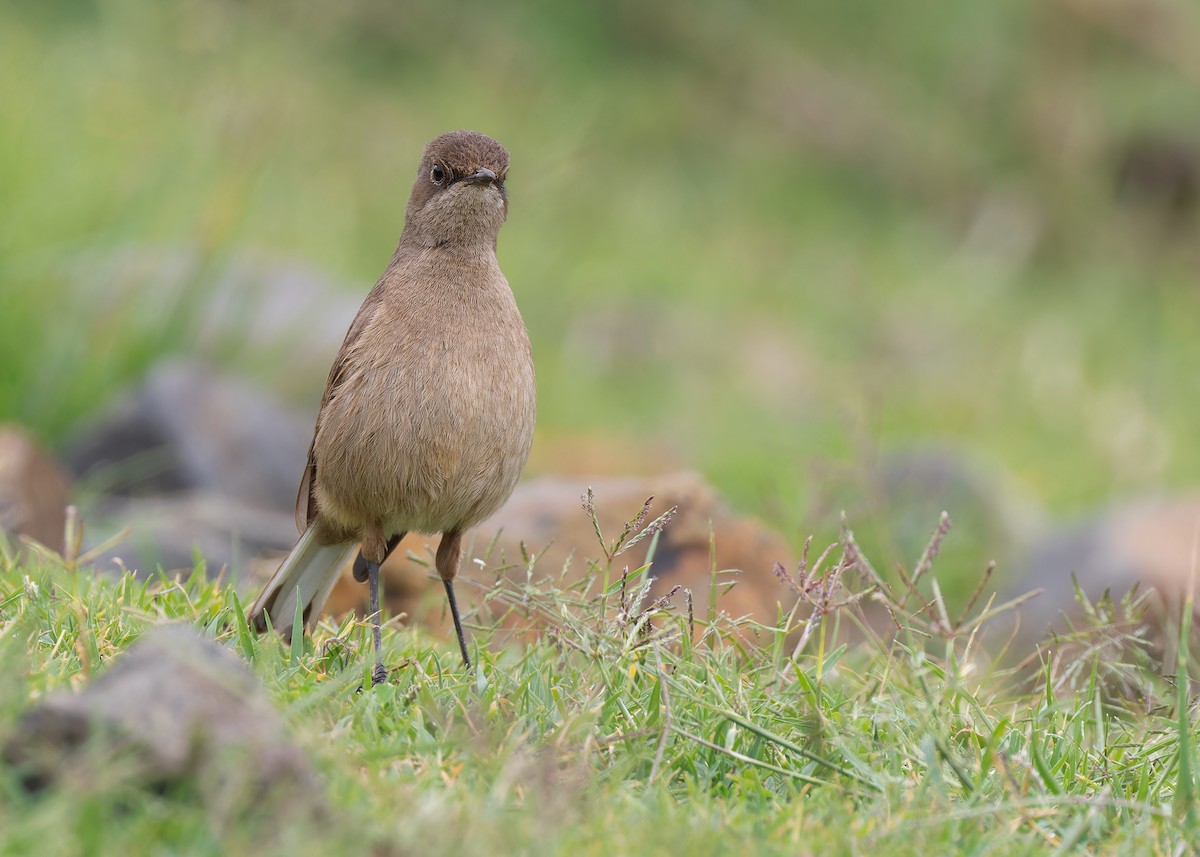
[776, 242]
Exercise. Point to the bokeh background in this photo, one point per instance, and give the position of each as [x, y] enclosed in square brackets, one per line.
[798, 246]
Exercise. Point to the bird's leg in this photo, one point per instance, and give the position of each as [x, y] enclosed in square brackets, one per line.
[379, 674]
[360, 564]
[373, 552]
[447, 567]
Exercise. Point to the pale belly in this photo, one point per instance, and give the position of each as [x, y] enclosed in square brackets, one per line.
[428, 451]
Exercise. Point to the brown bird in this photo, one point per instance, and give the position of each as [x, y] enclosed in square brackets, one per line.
[428, 412]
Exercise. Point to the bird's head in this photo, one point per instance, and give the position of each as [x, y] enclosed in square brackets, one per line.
[459, 196]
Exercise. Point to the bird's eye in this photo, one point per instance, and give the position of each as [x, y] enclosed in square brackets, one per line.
[437, 175]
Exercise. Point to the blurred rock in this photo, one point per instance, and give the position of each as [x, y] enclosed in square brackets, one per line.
[192, 463]
[34, 490]
[893, 503]
[188, 428]
[1160, 174]
[241, 309]
[1153, 544]
[173, 530]
[174, 710]
[546, 515]
[294, 312]
[909, 489]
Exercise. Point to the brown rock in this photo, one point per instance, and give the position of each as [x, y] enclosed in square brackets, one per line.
[546, 515]
[34, 491]
[175, 709]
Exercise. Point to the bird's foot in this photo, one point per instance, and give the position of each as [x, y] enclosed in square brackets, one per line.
[379, 675]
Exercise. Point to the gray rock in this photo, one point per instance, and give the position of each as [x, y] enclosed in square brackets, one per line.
[1152, 543]
[242, 309]
[174, 710]
[904, 492]
[170, 532]
[188, 428]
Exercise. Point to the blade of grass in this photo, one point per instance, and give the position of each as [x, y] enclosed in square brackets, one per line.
[241, 627]
[297, 646]
[758, 763]
[795, 748]
[1185, 787]
[1040, 765]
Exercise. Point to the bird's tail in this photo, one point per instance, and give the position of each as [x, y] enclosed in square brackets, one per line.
[305, 576]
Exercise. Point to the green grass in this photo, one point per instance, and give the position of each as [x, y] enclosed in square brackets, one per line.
[608, 735]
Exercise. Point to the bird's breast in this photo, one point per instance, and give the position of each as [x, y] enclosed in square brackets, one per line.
[433, 420]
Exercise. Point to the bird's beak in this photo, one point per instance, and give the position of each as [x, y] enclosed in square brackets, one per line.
[481, 176]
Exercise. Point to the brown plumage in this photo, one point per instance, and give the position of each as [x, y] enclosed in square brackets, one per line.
[428, 412]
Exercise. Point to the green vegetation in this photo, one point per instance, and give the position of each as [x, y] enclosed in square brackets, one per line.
[610, 735]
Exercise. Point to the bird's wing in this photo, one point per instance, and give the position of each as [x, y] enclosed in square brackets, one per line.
[306, 502]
